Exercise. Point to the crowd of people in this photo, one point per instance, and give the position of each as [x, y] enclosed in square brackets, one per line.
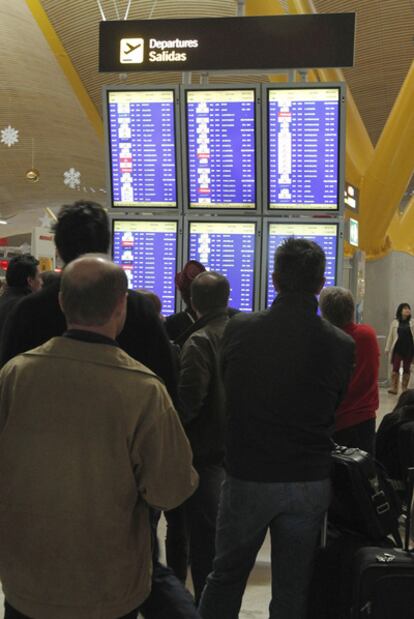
[110, 414]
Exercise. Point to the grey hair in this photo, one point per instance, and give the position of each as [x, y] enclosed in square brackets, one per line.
[337, 305]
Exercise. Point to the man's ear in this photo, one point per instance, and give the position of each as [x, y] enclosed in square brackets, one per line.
[121, 305]
[60, 302]
[275, 282]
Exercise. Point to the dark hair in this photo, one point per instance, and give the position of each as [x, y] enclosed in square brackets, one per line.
[154, 298]
[299, 266]
[19, 269]
[90, 297]
[398, 313]
[210, 291]
[81, 228]
[337, 305]
[49, 277]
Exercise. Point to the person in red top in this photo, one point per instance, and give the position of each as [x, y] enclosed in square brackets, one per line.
[355, 417]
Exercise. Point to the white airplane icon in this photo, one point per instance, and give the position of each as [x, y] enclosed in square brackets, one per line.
[132, 48]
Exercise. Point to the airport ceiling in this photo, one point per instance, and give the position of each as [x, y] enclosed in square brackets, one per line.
[48, 109]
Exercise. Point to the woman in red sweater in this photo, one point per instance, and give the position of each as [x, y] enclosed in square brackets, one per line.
[355, 417]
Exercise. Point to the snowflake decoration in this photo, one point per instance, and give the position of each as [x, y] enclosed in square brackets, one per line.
[9, 136]
[71, 178]
[45, 222]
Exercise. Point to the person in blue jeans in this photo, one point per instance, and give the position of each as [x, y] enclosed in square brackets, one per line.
[285, 370]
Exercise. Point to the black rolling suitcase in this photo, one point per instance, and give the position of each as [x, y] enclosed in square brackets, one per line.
[383, 579]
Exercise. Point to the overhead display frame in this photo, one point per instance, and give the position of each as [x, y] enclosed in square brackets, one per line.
[149, 249]
[328, 233]
[228, 43]
[231, 246]
[142, 142]
[303, 148]
[221, 155]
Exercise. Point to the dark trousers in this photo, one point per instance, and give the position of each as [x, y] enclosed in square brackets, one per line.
[12, 613]
[168, 598]
[177, 542]
[201, 510]
[361, 436]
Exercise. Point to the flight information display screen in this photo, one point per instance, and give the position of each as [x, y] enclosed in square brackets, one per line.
[147, 251]
[221, 148]
[303, 148]
[325, 235]
[142, 148]
[227, 248]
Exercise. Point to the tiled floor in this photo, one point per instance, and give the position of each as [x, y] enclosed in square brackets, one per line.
[257, 596]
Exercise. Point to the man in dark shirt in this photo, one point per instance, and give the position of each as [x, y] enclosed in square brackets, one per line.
[22, 278]
[285, 371]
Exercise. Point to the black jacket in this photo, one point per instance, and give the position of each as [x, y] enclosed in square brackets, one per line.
[10, 297]
[38, 318]
[200, 389]
[388, 444]
[285, 371]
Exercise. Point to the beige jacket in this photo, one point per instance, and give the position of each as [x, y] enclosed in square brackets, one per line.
[393, 335]
[88, 439]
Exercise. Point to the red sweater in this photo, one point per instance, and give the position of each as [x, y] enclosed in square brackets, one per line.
[361, 400]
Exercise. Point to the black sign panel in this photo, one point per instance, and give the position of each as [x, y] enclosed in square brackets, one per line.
[229, 43]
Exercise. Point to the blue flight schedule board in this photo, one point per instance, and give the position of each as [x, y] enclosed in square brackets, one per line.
[147, 251]
[325, 235]
[142, 148]
[303, 142]
[221, 148]
[228, 248]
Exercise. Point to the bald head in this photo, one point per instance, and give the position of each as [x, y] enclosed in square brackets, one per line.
[209, 291]
[93, 291]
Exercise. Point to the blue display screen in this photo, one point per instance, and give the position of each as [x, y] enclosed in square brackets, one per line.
[325, 235]
[303, 148]
[221, 148]
[142, 148]
[147, 251]
[227, 248]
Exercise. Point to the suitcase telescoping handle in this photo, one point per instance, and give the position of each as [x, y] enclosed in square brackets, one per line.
[410, 507]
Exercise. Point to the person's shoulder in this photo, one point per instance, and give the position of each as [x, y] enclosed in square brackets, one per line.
[245, 323]
[91, 353]
[337, 335]
[248, 318]
[366, 332]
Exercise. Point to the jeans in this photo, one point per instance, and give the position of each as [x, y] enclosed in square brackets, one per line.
[362, 436]
[293, 511]
[12, 613]
[201, 510]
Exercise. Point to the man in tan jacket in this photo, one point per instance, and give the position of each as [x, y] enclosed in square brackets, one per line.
[89, 440]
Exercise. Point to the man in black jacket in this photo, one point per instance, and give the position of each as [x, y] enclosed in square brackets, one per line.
[285, 371]
[201, 409]
[81, 228]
